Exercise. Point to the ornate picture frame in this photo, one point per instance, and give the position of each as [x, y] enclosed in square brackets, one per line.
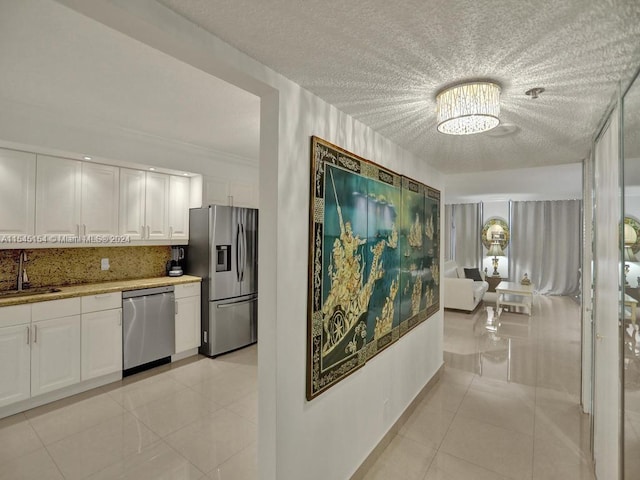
[495, 227]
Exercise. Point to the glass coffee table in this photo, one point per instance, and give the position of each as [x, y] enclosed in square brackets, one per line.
[515, 295]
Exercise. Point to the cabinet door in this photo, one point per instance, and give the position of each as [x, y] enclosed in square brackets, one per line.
[132, 193]
[216, 192]
[58, 196]
[18, 187]
[55, 354]
[14, 364]
[157, 206]
[101, 343]
[100, 186]
[187, 323]
[179, 207]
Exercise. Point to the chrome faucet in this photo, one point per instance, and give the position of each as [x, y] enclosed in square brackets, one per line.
[21, 270]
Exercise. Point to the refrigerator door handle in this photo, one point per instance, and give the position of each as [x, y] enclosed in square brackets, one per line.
[235, 304]
[238, 252]
[244, 252]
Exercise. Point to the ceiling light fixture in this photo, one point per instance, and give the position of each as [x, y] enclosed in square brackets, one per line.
[468, 108]
[86, 157]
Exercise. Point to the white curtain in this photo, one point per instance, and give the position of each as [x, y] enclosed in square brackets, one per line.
[448, 228]
[545, 244]
[466, 230]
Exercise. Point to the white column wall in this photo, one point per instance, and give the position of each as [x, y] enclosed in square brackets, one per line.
[329, 437]
[607, 386]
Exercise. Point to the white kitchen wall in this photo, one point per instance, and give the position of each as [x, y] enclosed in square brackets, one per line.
[329, 437]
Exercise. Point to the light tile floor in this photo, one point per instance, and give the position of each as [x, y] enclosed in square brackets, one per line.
[192, 420]
[507, 406]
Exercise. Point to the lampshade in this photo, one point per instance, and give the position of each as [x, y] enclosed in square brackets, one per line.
[630, 236]
[629, 256]
[468, 108]
[495, 250]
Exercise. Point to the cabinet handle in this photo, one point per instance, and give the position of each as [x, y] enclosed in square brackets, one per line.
[101, 295]
[148, 232]
[120, 319]
[144, 231]
[170, 231]
[84, 230]
[28, 335]
[35, 334]
[176, 308]
[77, 230]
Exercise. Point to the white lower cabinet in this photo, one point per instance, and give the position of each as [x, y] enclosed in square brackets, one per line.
[101, 343]
[187, 316]
[55, 354]
[15, 364]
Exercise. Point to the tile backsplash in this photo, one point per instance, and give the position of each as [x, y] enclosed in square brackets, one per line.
[73, 266]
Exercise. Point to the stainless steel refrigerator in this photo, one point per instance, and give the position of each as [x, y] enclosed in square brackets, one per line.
[223, 250]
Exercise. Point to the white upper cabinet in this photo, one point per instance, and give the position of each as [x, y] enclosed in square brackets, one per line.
[216, 192]
[58, 194]
[179, 207]
[100, 185]
[17, 192]
[157, 206]
[145, 205]
[233, 193]
[132, 203]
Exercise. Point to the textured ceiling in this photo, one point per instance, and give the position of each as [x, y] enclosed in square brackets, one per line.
[383, 62]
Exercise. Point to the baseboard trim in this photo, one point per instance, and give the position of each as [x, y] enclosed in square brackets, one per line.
[395, 428]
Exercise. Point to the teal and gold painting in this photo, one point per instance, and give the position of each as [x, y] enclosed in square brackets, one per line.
[357, 235]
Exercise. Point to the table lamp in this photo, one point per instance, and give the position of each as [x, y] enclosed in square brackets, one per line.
[495, 251]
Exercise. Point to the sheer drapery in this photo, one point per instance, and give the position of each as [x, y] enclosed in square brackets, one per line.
[465, 232]
[545, 244]
[448, 227]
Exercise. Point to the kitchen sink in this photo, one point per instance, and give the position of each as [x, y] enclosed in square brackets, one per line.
[26, 293]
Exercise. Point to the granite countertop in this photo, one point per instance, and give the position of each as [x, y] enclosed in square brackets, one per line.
[98, 288]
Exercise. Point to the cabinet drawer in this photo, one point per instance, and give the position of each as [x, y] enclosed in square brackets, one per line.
[15, 315]
[55, 309]
[187, 290]
[101, 301]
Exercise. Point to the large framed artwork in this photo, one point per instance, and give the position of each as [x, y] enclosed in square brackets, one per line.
[360, 233]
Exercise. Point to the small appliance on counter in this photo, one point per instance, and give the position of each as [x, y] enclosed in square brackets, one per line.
[174, 266]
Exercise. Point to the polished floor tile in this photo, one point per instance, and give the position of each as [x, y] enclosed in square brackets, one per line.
[507, 403]
[175, 411]
[96, 448]
[56, 421]
[144, 427]
[17, 438]
[448, 467]
[214, 439]
[153, 462]
[403, 459]
[37, 465]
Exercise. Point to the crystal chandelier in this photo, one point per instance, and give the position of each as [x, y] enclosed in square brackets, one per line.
[468, 108]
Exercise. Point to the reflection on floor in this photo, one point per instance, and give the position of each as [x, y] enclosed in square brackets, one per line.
[507, 406]
[191, 420]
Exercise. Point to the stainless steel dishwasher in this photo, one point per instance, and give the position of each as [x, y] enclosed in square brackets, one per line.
[148, 322]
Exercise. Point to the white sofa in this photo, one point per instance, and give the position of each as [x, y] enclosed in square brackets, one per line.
[461, 293]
